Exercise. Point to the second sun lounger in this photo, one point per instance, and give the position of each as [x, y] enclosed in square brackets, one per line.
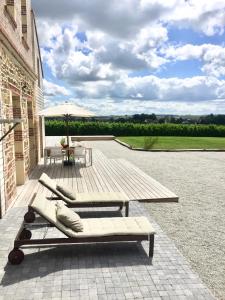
[99, 230]
[93, 199]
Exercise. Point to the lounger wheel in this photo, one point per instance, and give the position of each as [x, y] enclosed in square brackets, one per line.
[25, 234]
[16, 256]
[29, 217]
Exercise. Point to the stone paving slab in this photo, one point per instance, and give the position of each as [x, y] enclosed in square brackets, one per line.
[106, 271]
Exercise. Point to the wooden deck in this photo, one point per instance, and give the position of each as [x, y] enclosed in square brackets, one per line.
[105, 175]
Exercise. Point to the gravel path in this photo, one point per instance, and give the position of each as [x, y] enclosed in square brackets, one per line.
[197, 222]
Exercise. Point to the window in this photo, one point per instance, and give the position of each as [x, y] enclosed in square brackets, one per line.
[24, 18]
[10, 12]
[11, 8]
[24, 29]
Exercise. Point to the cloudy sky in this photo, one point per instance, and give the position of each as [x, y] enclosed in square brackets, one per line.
[134, 56]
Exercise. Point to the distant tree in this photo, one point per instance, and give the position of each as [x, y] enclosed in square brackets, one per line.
[212, 119]
[121, 119]
[161, 120]
[143, 118]
[179, 120]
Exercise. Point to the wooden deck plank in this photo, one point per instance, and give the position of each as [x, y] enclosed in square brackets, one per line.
[104, 184]
[158, 187]
[143, 187]
[83, 172]
[24, 192]
[79, 173]
[106, 175]
[119, 181]
[90, 180]
[97, 178]
[133, 182]
[103, 168]
[124, 179]
[94, 179]
[154, 184]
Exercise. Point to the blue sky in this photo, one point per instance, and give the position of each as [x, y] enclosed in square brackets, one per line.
[134, 56]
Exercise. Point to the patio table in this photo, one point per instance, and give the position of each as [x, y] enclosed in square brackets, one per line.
[66, 150]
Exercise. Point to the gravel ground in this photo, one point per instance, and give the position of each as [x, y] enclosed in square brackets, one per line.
[197, 222]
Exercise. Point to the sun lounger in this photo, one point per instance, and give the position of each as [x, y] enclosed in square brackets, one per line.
[93, 199]
[96, 230]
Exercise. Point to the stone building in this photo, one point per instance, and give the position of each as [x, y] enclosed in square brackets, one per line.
[20, 97]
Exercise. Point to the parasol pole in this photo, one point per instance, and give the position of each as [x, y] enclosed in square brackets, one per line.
[67, 136]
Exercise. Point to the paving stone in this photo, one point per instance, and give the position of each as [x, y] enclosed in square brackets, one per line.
[106, 271]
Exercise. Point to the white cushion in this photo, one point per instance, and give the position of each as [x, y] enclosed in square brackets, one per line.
[96, 226]
[116, 226]
[52, 186]
[101, 197]
[68, 217]
[47, 181]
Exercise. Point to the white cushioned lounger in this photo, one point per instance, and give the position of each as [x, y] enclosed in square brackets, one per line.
[92, 199]
[94, 226]
[95, 230]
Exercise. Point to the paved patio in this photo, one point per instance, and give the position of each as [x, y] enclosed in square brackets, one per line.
[107, 271]
[115, 271]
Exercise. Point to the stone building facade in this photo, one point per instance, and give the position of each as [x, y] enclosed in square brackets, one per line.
[20, 97]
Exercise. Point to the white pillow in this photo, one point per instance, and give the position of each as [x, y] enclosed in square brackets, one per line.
[68, 217]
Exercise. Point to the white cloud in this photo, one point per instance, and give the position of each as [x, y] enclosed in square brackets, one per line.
[102, 57]
[202, 15]
[129, 107]
[51, 89]
[152, 88]
[212, 56]
[121, 19]
[133, 54]
[125, 18]
[149, 94]
[48, 32]
[129, 37]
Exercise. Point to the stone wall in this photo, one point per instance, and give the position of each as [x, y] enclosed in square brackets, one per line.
[9, 169]
[19, 147]
[11, 24]
[2, 182]
[21, 96]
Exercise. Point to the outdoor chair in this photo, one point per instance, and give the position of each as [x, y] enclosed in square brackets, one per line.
[80, 153]
[56, 153]
[91, 199]
[94, 230]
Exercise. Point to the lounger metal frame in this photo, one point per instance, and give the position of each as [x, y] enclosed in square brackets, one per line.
[96, 204]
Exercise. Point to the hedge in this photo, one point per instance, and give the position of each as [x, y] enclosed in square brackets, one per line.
[57, 128]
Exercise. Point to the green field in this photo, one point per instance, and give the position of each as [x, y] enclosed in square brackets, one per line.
[177, 142]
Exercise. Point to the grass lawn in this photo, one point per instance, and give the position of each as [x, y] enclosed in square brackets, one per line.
[177, 142]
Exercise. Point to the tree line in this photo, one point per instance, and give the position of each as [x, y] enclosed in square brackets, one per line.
[58, 128]
[157, 119]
